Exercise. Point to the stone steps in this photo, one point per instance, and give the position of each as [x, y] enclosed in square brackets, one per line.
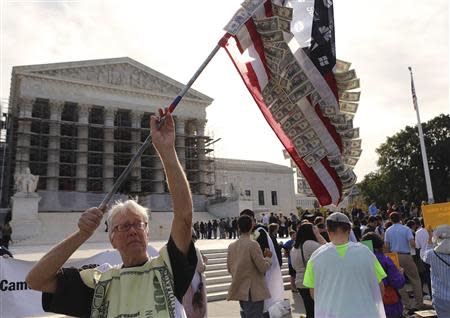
[218, 279]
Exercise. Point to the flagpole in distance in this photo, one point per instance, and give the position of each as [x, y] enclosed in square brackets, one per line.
[148, 140]
[422, 142]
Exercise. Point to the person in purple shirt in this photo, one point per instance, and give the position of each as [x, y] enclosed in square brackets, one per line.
[395, 277]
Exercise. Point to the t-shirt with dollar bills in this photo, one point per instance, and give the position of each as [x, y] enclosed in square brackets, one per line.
[153, 289]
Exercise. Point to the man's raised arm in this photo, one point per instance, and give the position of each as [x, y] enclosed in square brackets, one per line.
[163, 139]
[42, 276]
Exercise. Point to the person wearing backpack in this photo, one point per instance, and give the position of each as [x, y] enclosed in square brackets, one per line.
[395, 279]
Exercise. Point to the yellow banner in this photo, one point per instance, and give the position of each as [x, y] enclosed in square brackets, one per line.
[436, 214]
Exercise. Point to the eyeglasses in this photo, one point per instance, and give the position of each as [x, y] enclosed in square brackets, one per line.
[125, 227]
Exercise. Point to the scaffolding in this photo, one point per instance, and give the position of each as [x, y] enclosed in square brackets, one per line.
[67, 152]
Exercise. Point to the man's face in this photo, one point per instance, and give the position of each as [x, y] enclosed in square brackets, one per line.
[132, 240]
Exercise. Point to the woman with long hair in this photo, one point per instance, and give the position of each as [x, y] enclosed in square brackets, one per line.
[307, 241]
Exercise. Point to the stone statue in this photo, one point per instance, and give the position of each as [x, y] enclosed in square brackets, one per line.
[26, 182]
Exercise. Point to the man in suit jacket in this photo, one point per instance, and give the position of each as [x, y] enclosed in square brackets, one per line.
[247, 266]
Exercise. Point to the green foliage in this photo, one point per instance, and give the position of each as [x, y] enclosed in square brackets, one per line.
[400, 174]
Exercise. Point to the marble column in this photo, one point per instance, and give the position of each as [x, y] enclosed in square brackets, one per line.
[158, 176]
[135, 144]
[180, 140]
[23, 134]
[54, 144]
[108, 150]
[203, 177]
[82, 147]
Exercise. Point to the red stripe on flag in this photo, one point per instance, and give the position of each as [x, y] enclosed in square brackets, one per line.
[268, 8]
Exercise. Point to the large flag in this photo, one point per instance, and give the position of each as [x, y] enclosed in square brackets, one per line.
[285, 54]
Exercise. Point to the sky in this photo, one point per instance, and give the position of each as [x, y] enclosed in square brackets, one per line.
[381, 39]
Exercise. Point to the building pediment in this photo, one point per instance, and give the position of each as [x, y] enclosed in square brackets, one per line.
[119, 72]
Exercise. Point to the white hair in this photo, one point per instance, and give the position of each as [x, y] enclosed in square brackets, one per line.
[441, 237]
[123, 207]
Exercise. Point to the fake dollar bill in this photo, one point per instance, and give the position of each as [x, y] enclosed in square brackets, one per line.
[349, 96]
[348, 85]
[236, 22]
[251, 5]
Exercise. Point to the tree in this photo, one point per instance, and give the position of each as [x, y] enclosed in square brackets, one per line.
[400, 174]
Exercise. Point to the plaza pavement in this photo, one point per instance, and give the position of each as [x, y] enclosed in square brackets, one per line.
[216, 309]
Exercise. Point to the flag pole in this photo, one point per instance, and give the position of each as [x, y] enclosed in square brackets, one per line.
[148, 140]
[422, 142]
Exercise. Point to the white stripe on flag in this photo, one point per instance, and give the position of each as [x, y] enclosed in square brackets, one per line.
[314, 121]
[251, 55]
[313, 74]
[327, 181]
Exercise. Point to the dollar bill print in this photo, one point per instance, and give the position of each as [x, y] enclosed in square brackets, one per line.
[348, 107]
[342, 66]
[345, 126]
[274, 53]
[272, 37]
[315, 156]
[350, 134]
[273, 24]
[291, 69]
[355, 153]
[352, 144]
[349, 116]
[345, 76]
[338, 119]
[315, 98]
[339, 168]
[297, 114]
[283, 111]
[251, 5]
[328, 111]
[348, 85]
[350, 161]
[308, 147]
[304, 138]
[349, 96]
[335, 160]
[281, 81]
[300, 92]
[349, 182]
[297, 80]
[282, 12]
[293, 120]
[237, 21]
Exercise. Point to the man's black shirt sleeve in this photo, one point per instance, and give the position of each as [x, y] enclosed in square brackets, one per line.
[72, 296]
[183, 267]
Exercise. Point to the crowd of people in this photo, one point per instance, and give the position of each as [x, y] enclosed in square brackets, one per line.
[227, 228]
[335, 275]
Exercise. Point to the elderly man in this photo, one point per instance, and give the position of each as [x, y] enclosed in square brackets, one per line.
[141, 286]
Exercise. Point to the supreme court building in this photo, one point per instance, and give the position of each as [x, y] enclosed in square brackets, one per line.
[77, 124]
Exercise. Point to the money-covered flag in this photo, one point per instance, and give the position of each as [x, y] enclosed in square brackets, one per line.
[296, 81]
